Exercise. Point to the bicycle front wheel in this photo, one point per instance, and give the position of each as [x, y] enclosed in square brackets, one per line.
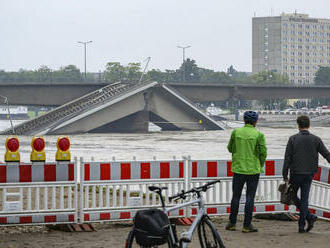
[208, 235]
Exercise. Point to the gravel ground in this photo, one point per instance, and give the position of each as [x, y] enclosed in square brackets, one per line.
[272, 233]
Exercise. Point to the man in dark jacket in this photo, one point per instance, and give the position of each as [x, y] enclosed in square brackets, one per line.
[301, 159]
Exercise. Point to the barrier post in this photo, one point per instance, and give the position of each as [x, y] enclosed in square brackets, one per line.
[76, 188]
[81, 189]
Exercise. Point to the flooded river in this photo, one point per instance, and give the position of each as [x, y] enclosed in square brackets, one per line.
[162, 145]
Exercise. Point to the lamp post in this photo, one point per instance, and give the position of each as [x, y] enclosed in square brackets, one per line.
[85, 43]
[11, 122]
[183, 58]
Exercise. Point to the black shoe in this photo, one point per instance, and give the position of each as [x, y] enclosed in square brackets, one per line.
[310, 223]
[248, 229]
[301, 230]
[231, 227]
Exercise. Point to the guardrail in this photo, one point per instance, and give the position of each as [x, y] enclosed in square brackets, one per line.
[48, 193]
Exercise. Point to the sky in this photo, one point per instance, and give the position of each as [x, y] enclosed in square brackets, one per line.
[46, 32]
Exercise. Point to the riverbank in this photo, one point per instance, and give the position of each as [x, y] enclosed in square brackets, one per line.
[272, 233]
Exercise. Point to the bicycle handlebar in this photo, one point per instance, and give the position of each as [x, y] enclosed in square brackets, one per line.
[203, 188]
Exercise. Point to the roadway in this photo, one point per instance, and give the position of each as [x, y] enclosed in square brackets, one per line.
[55, 94]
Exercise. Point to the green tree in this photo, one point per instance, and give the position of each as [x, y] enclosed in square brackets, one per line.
[322, 76]
[69, 73]
[269, 77]
[114, 72]
[133, 72]
[190, 70]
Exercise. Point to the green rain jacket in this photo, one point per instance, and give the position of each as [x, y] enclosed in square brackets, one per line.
[248, 148]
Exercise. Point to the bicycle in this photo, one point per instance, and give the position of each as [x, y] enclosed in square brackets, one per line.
[207, 234]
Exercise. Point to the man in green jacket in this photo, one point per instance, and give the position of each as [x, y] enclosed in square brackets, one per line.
[248, 148]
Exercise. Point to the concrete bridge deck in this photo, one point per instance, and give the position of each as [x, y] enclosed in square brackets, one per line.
[56, 94]
[121, 108]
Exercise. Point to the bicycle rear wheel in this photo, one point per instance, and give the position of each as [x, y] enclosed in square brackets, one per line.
[208, 235]
[131, 242]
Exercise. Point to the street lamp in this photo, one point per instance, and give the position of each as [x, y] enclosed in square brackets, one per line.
[183, 58]
[85, 43]
[11, 122]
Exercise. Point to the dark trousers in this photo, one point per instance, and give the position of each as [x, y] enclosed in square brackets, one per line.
[251, 187]
[302, 182]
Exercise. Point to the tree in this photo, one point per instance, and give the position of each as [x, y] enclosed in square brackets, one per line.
[114, 72]
[69, 73]
[190, 70]
[133, 72]
[44, 74]
[322, 76]
[269, 77]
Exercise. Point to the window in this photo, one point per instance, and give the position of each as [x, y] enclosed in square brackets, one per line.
[307, 33]
[300, 60]
[292, 39]
[300, 47]
[307, 67]
[292, 60]
[292, 54]
[307, 47]
[292, 46]
[307, 26]
[292, 32]
[300, 26]
[300, 53]
[300, 33]
[285, 46]
[307, 39]
[306, 74]
[307, 60]
[292, 25]
[300, 67]
[292, 73]
[299, 39]
[285, 59]
[314, 40]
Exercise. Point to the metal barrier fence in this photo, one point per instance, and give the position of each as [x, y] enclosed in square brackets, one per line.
[38, 193]
[45, 193]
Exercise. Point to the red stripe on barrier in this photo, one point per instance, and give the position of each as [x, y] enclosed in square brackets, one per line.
[3, 220]
[164, 170]
[181, 169]
[70, 172]
[25, 173]
[254, 209]
[71, 217]
[50, 172]
[211, 169]
[3, 174]
[329, 176]
[125, 215]
[211, 210]
[194, 169]
[86, 217]
[105, 172]
[25, 219]
[313, 211]
[145, 170]
[181, 212]
[125, 171]
[228, 210]
[87, 172]
[104, 216]
[194, 211]
[270, 168]
[326, 214]
[229, 172]
[286, 207]
[50, 218]
[269, 208]
[317, 176]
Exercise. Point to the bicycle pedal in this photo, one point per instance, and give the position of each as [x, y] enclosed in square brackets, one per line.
[184, 237]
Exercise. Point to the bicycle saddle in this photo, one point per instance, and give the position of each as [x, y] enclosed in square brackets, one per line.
[155, 188]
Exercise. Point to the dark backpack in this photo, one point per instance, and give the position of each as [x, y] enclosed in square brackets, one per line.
[151, 227]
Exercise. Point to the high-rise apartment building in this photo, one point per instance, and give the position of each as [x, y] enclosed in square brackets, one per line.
[291, 44]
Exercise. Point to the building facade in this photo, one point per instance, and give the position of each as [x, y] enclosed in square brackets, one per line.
[291, 44]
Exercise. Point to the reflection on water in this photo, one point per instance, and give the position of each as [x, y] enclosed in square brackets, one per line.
[162, 145]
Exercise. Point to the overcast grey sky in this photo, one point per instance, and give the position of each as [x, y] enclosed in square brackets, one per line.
[45, 32]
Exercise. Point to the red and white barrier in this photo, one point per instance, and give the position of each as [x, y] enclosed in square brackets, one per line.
[36, 172]
[38, 193]
[116, 190]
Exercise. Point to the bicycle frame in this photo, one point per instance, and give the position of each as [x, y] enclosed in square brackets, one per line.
[200, 214]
